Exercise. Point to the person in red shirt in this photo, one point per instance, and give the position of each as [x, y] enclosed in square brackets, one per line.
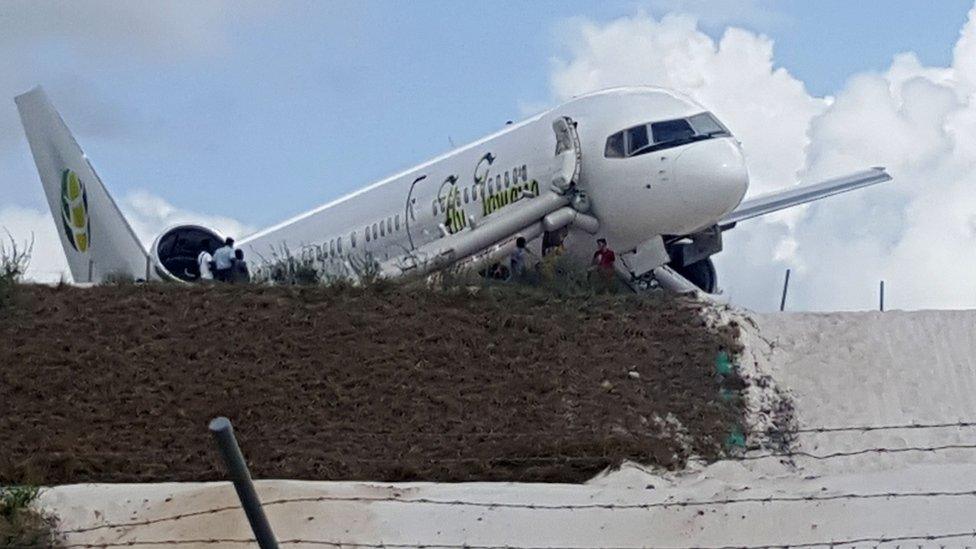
[603, 260]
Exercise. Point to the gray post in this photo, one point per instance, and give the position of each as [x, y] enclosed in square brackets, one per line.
[881, 297]
[786, 286]
[223, 433]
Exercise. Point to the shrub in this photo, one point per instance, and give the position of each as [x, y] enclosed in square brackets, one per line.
[21, 525]
[14, 260]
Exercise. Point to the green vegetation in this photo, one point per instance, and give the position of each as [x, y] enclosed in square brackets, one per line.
[21, 525]
[14, 260]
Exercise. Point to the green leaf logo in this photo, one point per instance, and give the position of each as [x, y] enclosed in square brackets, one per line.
[74, 211]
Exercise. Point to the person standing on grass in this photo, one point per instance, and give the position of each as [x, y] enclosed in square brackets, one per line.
[224, 260]
[239, 273]
[602, 264]
[517, 259]
[203, 262]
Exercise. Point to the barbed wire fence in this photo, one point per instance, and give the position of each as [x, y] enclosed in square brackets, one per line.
[629, 507]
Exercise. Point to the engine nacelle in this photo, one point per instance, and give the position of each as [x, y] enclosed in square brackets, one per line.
[175, 251]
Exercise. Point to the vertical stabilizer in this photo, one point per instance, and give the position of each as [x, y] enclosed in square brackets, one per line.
[97, 239]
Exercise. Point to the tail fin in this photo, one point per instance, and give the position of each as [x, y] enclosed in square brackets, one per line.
[97, 239]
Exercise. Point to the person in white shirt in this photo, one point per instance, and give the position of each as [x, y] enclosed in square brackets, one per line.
[224, 260]
[203, 262]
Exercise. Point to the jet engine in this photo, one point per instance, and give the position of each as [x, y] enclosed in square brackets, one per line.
[174, 252]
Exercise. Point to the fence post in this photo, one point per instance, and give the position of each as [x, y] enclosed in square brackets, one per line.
[223, 433]
[786, 285]
[881, 297]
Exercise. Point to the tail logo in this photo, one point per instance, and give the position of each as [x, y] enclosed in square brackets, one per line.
[74, 211]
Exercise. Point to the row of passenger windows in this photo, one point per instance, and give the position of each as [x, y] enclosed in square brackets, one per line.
[382, 227]
[392, 224]
[494, 185]
[656, 136]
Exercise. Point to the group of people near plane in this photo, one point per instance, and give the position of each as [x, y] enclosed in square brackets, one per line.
[226, 264]
[601, 273]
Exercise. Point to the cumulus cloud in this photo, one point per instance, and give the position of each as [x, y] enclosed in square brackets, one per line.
[719, 13]
[148, 215]
[919, 233]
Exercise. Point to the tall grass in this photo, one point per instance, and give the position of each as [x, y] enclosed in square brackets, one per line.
[314, 265]
[21, 524]
[14, 260]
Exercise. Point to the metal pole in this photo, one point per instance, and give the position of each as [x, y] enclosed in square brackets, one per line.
[223, 433]
[881, 296]
[786, 286]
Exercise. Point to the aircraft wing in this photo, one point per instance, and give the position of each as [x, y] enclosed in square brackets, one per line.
[772, 202]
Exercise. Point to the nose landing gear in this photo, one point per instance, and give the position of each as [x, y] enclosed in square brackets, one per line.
[700, 273]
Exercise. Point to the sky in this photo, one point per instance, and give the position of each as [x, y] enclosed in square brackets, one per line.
[241, 114]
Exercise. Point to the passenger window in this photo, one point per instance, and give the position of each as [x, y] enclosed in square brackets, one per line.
[396, 222]
[376, 233]
[637, 139]
[465, 195]
[332, 248]
[339, 245]
[435, 208]
[525, 174]
[367, 234]
[352, 239]
[389, 225]
[508, 182]
[382, 229]
[615, 146]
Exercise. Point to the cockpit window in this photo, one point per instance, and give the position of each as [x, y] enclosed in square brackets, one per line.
[671, 131]
[706, 124]
[615, 146]
[656, 136]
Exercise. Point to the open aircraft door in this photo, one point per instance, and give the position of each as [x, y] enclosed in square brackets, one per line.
[568, 162]
[569, 157]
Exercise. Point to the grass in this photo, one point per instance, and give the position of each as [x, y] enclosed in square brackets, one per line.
[14, 260]
[21, 525]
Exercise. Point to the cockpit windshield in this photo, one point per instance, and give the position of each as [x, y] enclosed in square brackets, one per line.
[656, 136]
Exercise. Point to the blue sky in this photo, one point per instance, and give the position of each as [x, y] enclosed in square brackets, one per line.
[296, 103]
[239, 114]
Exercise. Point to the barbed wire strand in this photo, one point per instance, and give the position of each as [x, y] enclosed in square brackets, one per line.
[332, 543]
[539, 506]
[616, 430]
[834, 455]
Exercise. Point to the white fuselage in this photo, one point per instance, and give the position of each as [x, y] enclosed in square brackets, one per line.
[672, 190]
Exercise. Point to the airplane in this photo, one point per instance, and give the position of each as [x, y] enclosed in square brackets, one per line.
[648, 169]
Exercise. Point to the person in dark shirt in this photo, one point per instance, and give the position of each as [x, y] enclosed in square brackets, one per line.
[239, 273]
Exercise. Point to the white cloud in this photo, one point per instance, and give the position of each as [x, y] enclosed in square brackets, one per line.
[147, 214]
[918, 233]
[716, 13]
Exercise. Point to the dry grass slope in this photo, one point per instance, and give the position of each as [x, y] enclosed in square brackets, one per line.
[117, 383]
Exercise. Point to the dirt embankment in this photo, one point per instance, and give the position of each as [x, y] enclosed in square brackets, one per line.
[117, 384]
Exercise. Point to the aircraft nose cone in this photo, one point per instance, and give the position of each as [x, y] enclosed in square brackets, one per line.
[713, 175]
